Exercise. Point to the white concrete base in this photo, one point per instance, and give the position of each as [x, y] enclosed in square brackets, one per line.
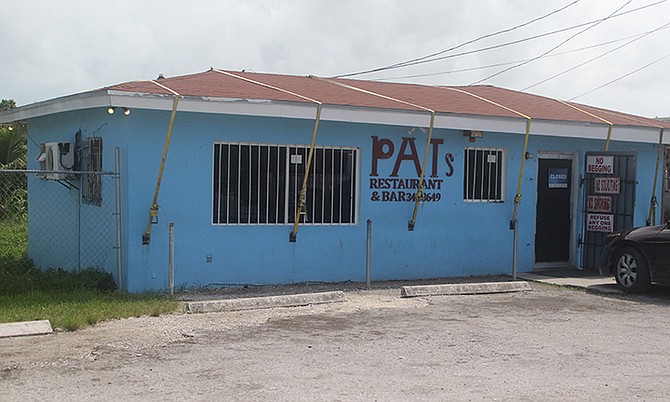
[464, 289]
[25, 328]
[264, 302]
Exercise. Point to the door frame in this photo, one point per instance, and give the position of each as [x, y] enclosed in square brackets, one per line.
[574, 196]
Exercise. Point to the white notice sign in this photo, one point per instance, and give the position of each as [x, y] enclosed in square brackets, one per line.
[600, 164]
[600, 223]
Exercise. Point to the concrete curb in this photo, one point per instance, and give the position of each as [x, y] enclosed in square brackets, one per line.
[596, 284]
[264, 302]
[25, 328]
[464, 289]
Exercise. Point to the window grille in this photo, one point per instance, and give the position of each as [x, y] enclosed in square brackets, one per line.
[260, 184]
[483, 178]
[92, 162]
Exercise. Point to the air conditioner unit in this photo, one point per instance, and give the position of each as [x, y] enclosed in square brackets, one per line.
[56, 159]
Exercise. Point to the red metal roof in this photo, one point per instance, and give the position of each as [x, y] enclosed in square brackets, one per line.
[480, 100]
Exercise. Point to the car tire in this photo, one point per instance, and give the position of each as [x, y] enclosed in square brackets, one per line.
[631, 271]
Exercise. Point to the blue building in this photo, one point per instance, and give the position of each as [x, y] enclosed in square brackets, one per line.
[443, 174]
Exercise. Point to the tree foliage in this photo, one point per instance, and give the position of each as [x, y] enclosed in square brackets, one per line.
[13, 156]
[13, 141]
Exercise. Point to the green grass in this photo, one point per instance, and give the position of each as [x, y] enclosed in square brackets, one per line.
[74, 310]
[69, 300]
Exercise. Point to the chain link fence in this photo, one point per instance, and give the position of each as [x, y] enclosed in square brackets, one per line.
[57, 220]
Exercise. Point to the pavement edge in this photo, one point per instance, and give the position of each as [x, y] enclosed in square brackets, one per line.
[254, 303]
[464, 289]
[25, 328]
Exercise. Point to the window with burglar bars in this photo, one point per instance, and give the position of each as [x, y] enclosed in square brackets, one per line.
[260, 184]
[92, 162]
[483, 175]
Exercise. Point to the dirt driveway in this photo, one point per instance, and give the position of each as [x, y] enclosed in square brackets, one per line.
[548, 344]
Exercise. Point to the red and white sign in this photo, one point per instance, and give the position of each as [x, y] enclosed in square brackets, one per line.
[600, 223]
[607, 185]
[600, 164]
[599, 203]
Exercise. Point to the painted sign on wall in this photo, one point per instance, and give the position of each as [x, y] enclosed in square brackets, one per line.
[600, 223]
[390, 187]
[603, 164]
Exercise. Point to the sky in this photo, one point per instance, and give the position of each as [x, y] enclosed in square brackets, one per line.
[50, 49]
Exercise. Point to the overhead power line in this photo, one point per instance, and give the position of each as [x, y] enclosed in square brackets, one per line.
[597, 57]
[507, 63]
[483, 49]
[553, 48]
[418, 59]
[622, 77]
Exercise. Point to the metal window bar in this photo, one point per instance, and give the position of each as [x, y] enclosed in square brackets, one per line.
[489, 183]
[483, 179]
[263, 181]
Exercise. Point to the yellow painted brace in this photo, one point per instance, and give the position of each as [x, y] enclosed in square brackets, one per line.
[651, 219]
[153, 210]
[609, 123]
[419, 193]
[303, 190]
[518, 196]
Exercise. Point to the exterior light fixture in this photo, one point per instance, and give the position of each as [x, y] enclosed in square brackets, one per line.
[111, 110]
[473, 135]
[126, 111]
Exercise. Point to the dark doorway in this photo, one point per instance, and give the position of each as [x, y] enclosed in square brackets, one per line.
[553, 220]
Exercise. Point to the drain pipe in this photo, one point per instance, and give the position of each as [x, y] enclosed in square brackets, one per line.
[153, 210]
[651, 220]
[303, 191]
[419, 193]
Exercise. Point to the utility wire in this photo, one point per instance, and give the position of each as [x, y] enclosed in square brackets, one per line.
[418, 59]
[467, 69]
[596, 58]
[621, 77]
[553, 48]
[514, 42]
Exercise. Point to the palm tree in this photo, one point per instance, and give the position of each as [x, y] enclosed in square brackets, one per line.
[13, 156]
[13, 146]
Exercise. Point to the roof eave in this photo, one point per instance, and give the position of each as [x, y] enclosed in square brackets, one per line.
[85, 100]
[340, 113]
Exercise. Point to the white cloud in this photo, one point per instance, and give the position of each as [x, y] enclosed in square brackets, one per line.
[52, 49]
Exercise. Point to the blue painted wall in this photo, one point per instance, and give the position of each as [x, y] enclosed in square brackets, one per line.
[451, 237]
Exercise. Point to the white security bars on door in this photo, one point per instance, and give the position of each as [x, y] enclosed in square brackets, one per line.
[483, 179]
[260, 184]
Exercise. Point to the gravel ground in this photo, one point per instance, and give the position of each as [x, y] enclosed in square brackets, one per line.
[548, 344]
